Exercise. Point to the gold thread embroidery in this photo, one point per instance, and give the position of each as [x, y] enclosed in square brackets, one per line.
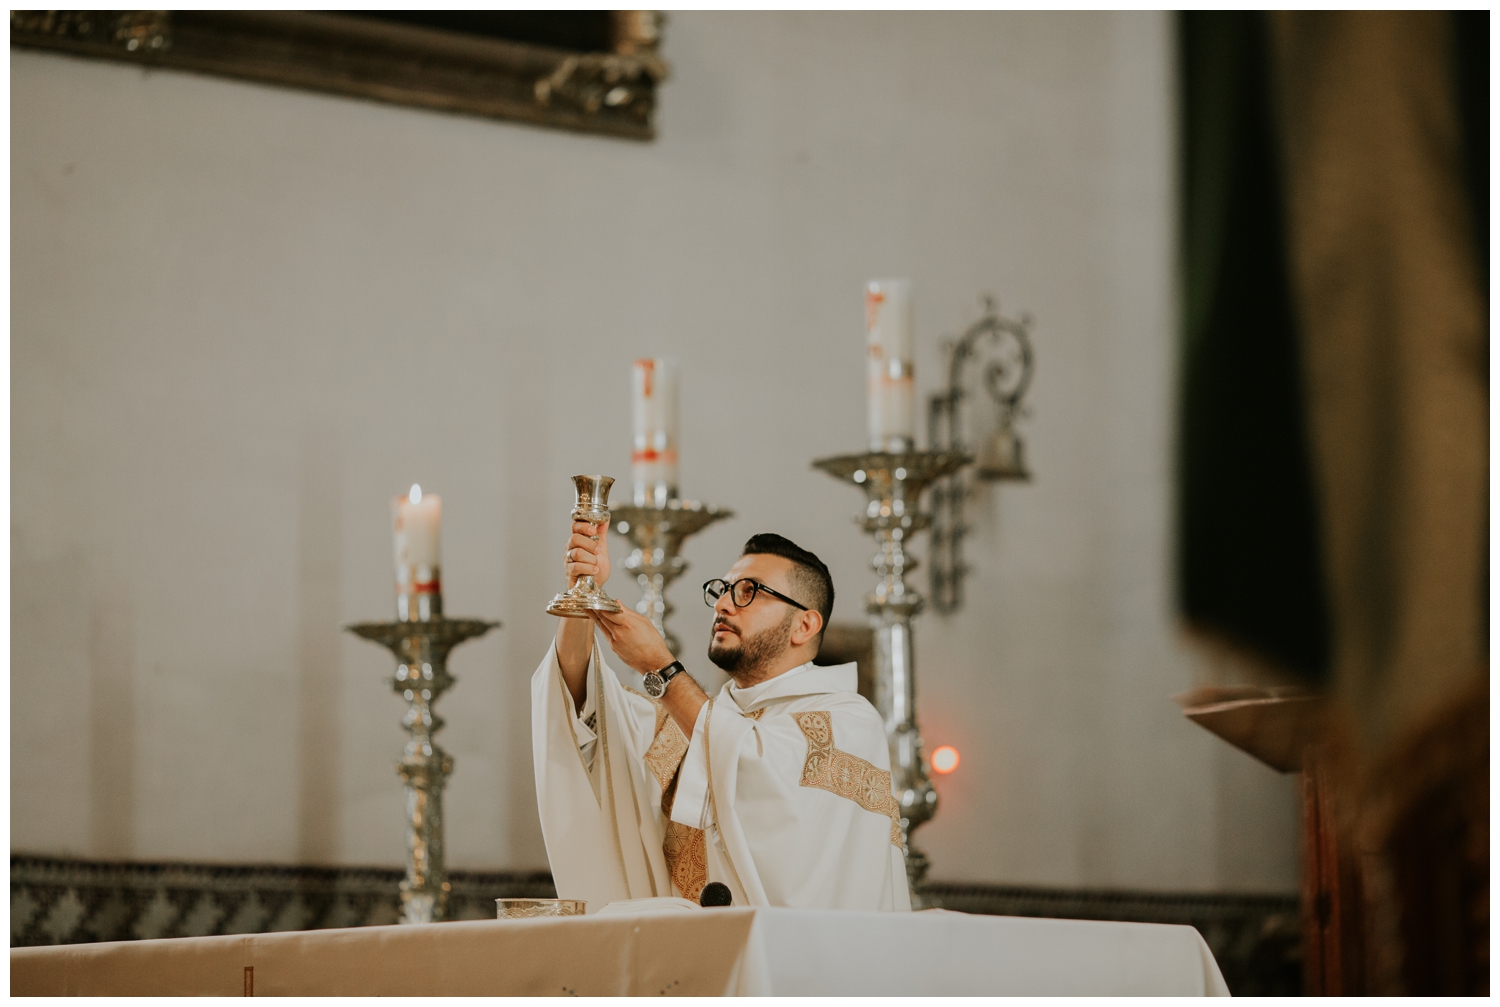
[683, 846]
[686, 850]
[668, 746]
[848, 776]
[756, 714]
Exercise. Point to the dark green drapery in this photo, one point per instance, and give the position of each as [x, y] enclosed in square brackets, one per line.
[1247, 551]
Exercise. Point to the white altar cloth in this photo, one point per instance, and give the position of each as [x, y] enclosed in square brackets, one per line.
[720, 951]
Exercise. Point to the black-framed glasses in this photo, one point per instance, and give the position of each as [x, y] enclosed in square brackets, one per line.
[742, 592]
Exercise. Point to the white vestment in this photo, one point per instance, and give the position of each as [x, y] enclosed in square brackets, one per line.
[783, 793]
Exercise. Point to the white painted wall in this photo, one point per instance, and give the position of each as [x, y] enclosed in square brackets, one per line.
[243, 318]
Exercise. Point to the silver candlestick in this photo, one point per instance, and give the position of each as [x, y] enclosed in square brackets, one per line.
[657, 533]
[421, 649]
[893, 482]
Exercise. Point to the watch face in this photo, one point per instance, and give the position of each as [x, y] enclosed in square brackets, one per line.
[655, 687]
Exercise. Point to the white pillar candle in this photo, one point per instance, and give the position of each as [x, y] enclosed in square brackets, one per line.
[889, 349]
[653, 457]
[417, 520]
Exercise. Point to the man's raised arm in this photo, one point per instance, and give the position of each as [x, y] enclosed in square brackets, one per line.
[587, 554]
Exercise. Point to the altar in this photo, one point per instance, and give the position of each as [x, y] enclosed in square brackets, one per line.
[741, 952]
[297, 467]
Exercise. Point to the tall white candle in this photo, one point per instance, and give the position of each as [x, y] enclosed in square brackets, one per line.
[653, 457]
[889, 350]
[417, 520]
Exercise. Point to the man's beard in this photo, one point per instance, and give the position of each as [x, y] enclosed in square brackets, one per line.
[743, 658]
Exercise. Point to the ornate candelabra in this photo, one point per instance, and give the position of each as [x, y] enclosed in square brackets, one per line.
[1006, 378]
[893, 483]
[421, 649]
[657, 533]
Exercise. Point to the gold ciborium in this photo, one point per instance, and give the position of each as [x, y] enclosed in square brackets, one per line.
[586, 596]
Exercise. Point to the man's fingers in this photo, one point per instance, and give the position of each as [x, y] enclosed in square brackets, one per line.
[631, 616]
[602, 623]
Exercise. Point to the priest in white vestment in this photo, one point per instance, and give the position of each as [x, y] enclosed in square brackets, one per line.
[779, 787]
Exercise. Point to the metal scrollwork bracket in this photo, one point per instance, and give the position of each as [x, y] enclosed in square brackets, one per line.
[1006, 377]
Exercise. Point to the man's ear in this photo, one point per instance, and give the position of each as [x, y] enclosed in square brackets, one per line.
[809, 625]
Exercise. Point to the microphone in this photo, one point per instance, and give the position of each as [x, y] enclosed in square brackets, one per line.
[715, 893]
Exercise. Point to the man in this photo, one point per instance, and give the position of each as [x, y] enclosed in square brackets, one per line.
[779, 787]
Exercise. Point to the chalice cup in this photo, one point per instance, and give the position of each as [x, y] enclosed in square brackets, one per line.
[585, 596]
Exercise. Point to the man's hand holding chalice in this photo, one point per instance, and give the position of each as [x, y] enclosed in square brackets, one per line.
[631, 635]
[587, 553]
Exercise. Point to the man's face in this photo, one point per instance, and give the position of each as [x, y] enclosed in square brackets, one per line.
[745, 640]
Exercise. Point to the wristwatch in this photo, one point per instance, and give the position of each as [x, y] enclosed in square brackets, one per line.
[656, 681]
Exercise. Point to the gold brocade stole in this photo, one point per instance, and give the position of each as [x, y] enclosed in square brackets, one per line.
[838, 772]
[685, 848]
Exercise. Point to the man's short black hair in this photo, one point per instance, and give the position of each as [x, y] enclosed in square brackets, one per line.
[812, 585]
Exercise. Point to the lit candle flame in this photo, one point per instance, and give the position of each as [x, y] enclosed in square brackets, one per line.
[415, 496]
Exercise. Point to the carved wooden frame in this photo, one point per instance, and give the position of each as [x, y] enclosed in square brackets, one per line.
[606, 92]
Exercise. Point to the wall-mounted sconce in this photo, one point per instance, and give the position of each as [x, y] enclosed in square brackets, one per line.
[1006, 345]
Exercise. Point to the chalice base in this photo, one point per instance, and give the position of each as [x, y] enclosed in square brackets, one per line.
[578, 603]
